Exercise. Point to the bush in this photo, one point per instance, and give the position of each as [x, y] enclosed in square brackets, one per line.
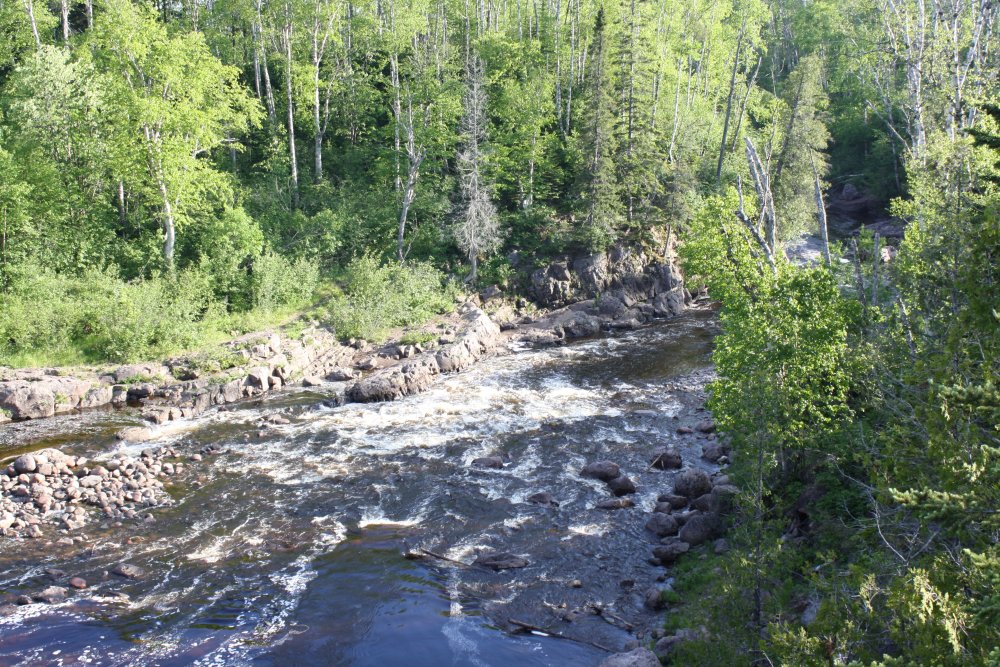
[277, 281]
[379, 297]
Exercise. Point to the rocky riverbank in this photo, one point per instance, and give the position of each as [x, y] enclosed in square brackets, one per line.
[618, 290]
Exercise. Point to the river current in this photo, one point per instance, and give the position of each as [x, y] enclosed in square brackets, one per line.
[286, 548]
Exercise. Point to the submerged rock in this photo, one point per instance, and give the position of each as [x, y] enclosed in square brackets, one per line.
[488, 462]
[500, 560]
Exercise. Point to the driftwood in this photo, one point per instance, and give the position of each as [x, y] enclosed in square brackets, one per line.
[557, 635]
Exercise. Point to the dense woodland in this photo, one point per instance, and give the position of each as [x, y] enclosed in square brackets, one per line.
[174, 171]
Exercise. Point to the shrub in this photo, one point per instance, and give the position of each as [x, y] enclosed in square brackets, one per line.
[277, 281]
[379, 297]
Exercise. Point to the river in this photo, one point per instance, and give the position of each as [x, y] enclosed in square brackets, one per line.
[287, 547]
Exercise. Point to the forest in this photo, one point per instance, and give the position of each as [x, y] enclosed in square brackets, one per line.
[175, 171]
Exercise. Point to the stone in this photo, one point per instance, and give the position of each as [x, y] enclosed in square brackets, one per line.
[720, 546]
[653, 599]
[670, 552]
[128, 571]
[494, 462]
[662, 524]
[78, 583]
[666, 459]
[621, 486]
[340, 374]
[702, 503]
[500, 561]
[685, 430]
[639, 657]
[51, 595]
[675, 501]
[723, 498]
[692, 483]
[135, 434]
[706, 426]
[699, 529]
[25, 464]
[714, 451]
[602, 470]
[615, 504]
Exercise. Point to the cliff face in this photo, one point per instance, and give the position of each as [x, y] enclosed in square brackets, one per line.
[625, 281]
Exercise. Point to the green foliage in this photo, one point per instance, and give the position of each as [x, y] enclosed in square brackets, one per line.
[381, 296]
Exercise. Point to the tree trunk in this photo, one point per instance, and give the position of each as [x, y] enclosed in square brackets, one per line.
[64, 16]
[729, 102]
[821, 214]
[291, 116]
[29, 7]
[89, 6]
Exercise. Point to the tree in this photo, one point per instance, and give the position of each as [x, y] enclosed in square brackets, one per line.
[175, 103]
[601, 204]
[477, 230]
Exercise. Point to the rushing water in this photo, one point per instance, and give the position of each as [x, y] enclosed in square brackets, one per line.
[287, 548]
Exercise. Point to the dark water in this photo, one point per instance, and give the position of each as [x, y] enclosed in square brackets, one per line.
[287, 548]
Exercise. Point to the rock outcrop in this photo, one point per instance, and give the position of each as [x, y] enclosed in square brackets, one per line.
[480, 337]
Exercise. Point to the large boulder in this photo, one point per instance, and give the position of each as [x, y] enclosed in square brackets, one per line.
[27, 400]
[692, 483]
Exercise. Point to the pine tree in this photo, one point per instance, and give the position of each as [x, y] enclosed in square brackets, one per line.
[599, 191]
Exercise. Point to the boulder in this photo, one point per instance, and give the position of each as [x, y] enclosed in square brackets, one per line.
[666, 459]
[699, 529]
[27, 400]
[675, 501]
[51, 595]
[134, 434]
[723, 498]
[25, 464]
[692, 483]
[488, 462]
[706, 426]
[602, 470]
[662, 525]
[713, 451]
[668, 553]
[653, 599]
[621, 486]
[640, 657]
[128, 571]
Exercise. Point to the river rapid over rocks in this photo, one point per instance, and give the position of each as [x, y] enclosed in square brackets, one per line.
[303, 532]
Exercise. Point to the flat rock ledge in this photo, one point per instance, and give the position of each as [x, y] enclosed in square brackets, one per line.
[479, 337]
